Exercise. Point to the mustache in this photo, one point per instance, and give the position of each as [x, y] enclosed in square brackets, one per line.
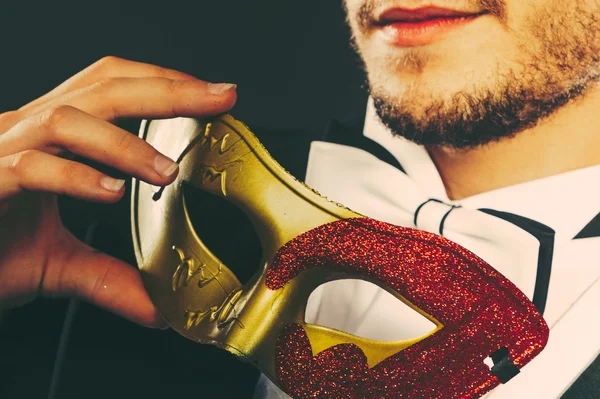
[366, 13]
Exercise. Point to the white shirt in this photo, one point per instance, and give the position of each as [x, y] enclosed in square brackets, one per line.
[565, 202]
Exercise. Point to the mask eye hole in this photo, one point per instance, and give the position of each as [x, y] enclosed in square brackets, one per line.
[361, 308]
[225, 230]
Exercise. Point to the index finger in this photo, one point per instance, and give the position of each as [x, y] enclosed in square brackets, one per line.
[106, 68]
[151, 98]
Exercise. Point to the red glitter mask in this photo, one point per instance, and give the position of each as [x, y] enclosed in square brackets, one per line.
[308, 241]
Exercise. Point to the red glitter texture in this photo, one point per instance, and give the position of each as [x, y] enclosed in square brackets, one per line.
[480, 309]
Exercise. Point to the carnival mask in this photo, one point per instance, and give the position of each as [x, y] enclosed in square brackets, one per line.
[308, 241]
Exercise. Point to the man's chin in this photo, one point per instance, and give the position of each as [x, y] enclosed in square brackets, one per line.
[426, 120]
[415, 101]
[420, 85]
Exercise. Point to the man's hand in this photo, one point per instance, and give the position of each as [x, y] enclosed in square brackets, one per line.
[38, 256]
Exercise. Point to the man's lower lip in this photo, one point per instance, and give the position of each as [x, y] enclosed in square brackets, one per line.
[420, 33]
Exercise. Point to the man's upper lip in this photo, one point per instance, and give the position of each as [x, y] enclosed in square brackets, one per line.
[419, 14]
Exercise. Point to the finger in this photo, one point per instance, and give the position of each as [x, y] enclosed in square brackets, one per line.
[8, 120]
[107, 67]
[80, 133]
[38, 171]
[104, 281]
[150, 98]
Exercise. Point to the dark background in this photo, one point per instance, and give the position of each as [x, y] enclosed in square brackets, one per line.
[294, 68]
[291, 59]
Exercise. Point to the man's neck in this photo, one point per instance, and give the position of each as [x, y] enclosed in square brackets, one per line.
[568, 140]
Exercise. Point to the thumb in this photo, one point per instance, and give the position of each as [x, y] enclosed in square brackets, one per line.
[104, 281]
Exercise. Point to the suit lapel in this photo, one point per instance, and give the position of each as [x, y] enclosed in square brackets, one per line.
[587, 385]
[591, 230]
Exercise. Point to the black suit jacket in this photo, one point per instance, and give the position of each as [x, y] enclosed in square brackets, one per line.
[107, 356]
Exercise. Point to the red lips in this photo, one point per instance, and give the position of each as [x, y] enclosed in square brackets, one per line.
[418, 27]
[419, 15]
[480, 309]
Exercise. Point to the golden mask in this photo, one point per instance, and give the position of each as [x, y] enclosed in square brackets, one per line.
[307, 241]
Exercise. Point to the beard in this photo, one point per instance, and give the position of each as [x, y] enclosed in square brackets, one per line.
[563, 66]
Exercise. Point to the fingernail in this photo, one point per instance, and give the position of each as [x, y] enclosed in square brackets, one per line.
[110, 184]
[220, 88]
[164, 166]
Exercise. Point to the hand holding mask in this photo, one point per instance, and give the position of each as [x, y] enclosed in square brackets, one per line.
[308, 241]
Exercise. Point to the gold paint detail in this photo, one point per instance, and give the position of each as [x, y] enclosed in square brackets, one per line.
[209, 173]
[188, 269]
[207, 280]
[322, 338]
[222, 314]
[211, 141]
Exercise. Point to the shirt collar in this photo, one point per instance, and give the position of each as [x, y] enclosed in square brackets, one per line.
[565, 202]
